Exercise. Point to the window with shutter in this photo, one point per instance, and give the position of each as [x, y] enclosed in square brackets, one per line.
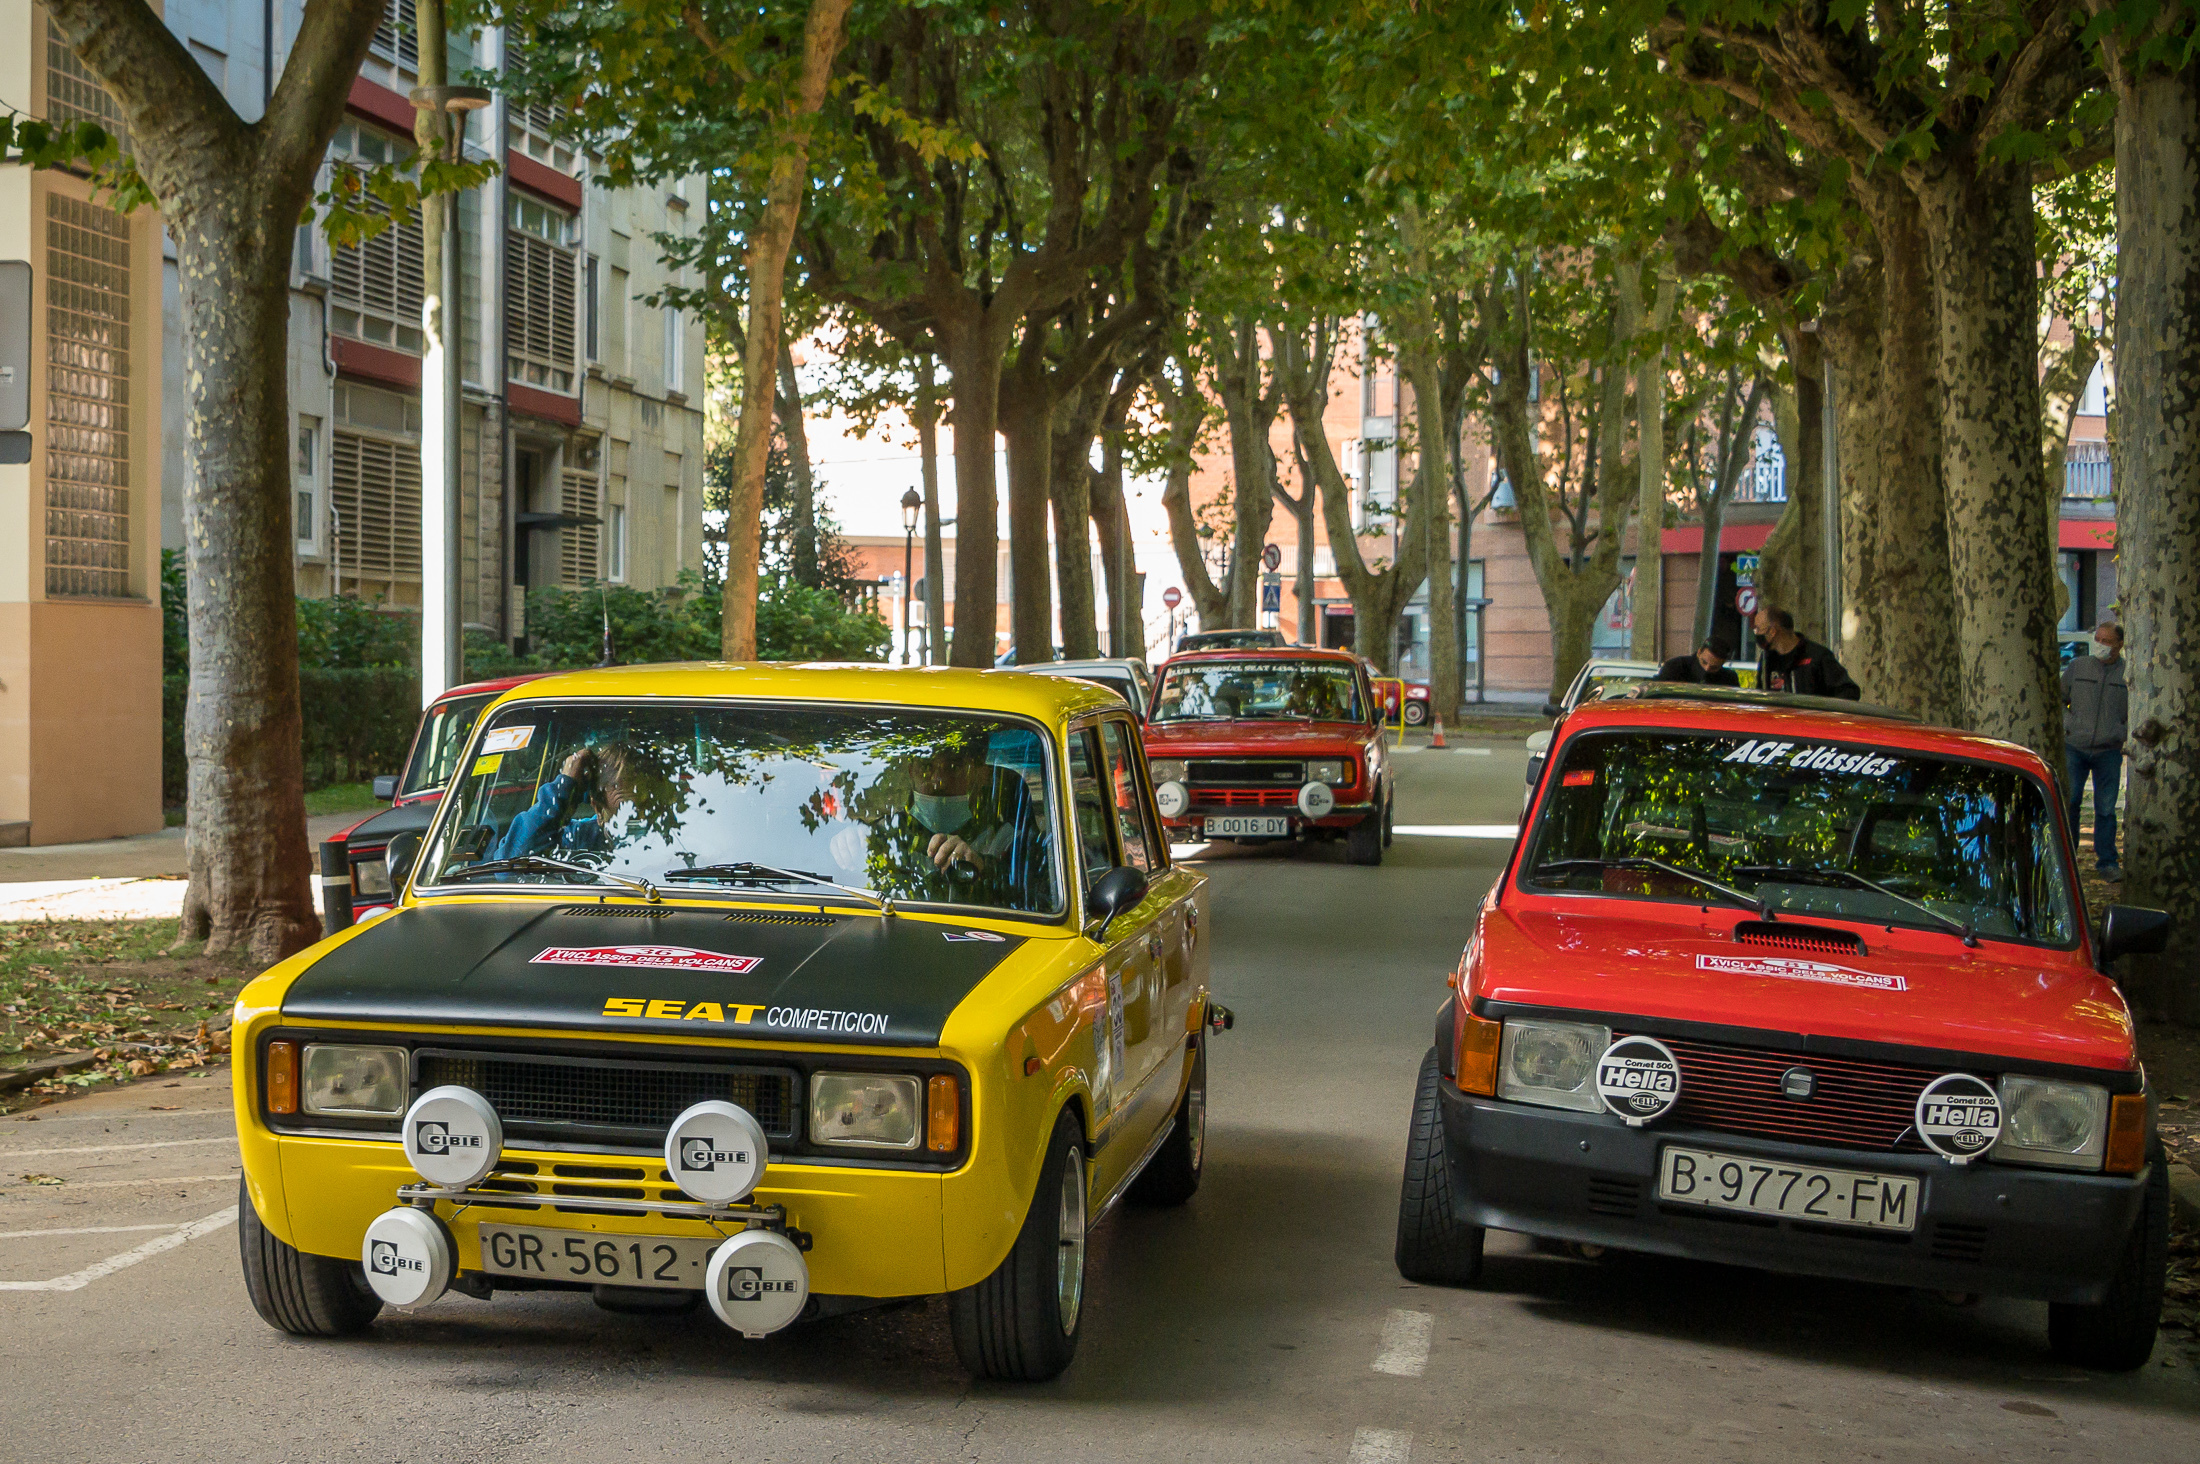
[578, 563]
[374, 287]
[397, 37]
[374, 485]
[540, 296]
[87, 399]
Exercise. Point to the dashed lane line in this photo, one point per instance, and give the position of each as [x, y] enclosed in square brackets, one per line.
[1405, 1344]
[81, 1230]
[9, 1156]
[181, 1235]
[1507, 832]
[1380, 1446]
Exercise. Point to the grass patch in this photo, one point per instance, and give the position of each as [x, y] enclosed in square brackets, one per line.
[342, 798]
[116, 988]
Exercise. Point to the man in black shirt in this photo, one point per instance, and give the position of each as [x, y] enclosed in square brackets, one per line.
[1792, 664]
[1707, 667]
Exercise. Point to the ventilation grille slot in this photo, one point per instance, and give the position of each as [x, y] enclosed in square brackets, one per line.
[643, 912]
[1788, 936]
[1955, 1240]
[1617, 1197]
[781, 917]
[569, 1099]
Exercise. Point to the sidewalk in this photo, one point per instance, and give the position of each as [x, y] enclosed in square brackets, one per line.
[138, 878]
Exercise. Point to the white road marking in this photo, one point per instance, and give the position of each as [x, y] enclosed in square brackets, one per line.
[81, 1230]
[129, 1115]
[1380, 1446]
[1405, 1344]
[1475, 751]
[1186, 851]
[78, 1280]
[73, 1185]
[9, 1156]
[1461, 831]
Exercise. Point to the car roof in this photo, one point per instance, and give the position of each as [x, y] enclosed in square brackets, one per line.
[1009, 690]
[1265, 653]
[1098, 663]
[1684, 706]
[495, 684]
[1614, 663]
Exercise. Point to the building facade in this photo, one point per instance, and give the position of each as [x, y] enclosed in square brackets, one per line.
[582, 423]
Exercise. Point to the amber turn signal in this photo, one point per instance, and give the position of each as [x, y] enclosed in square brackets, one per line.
[282, 1077]
[943, 1120]
[2127, 1133]
[1477, 1065]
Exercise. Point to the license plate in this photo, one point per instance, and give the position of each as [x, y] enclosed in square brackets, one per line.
[670, 1263]
[1789, 1191]
[1250, 826]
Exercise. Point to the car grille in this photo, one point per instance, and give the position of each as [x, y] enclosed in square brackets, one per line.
[587, 1099]
[1251, 772]
[1249, 797]
[1856, 1103]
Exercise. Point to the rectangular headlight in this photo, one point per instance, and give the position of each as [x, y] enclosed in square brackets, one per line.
[1336, 772]
[371, 876]
[870, 1110]
[1551, 1063]
[2064, 1125]
[357, 1082]
[1168, 770]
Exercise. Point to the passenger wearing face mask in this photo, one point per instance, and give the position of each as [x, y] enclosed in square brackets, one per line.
[2094, 708]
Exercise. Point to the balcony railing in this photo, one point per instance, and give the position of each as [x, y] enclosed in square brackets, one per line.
[2086, 471]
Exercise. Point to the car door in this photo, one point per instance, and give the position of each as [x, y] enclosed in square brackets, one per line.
[1120, 1130]
[1158, 1049]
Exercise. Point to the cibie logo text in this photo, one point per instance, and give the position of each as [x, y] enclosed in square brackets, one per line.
[437, 1138]
[704, 1154]
[388, 1261]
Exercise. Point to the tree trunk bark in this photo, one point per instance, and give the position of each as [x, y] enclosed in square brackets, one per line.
[1432, 522]
[1026, 415]
[935, 554]
[974, 361]
[1647, 636]
[1791, 568]
[1979, 219]
[788, 407]
[1069, 483]
[1111, 520]
[766, 271]
[1252, 464]
[243, 730]
[2158, 513]
[1707, 567]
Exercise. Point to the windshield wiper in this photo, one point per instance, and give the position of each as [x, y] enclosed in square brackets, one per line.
[1658, 864]
[532, 863]
[749, 870]
[1965, 929]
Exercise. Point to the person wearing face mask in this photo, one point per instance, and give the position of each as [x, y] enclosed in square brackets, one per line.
[2094, 708]
[973, 804]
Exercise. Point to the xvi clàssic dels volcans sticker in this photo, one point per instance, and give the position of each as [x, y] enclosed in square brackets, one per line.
[1639, 1079]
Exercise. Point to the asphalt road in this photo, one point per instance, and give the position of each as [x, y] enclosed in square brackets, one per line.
[1264, 1322]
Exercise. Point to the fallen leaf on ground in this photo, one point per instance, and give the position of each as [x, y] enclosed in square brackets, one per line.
[141, 1067]
[41, 1179]
[166, 1107]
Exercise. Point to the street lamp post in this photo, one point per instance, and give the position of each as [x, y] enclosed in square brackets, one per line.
[911, 506]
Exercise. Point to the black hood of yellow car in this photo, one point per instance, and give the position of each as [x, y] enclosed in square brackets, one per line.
[676, 972]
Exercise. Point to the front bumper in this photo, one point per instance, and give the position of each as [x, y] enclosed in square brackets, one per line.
[1981, 1228]
[1192, 822]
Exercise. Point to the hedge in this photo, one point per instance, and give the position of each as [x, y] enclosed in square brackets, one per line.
[357, 723]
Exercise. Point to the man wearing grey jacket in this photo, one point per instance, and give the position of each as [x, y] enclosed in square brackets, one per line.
[2093, 736]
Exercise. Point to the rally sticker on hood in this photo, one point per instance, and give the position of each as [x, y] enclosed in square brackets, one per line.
[647, 957]
[1790, 970]
[1812, 757]
[962, 935]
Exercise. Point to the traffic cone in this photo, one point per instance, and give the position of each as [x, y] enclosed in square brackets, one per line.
[1436, 739]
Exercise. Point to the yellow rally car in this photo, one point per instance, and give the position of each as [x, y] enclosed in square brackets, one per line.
[788, 989]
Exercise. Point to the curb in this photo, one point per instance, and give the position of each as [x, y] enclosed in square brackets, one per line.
[45, 1067]
[2184, 1195]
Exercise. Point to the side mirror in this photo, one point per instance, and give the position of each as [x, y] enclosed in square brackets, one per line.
[385, 786]
[1553, 709]
[2133, 930]
[1120, 889]
[1535, 770]
[403, 851]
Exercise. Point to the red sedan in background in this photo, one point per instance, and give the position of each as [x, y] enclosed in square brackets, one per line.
[1271, 745]
[355, 871]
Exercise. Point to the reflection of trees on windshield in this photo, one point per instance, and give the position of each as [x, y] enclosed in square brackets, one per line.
[1971, 841]
[831, 792]
[1252, 690]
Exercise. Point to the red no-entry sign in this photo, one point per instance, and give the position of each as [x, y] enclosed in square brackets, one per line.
[1172, 597]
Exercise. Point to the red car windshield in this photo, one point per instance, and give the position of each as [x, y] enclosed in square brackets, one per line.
[1804, 826]
[1260, 690]
[442, 738]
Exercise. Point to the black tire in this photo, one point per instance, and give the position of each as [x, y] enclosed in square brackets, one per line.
[1171, 1177]
[1012, 1325]
[2117, 1334]
[1390, 817]
[1363, 842]
[1435, 1247]
[295, 1292]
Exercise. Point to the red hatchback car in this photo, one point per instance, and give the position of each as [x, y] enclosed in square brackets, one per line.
[1268, 745]
[1779, 982]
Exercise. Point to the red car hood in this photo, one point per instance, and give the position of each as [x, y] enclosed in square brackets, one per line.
[1914, 989]
[1285, 739]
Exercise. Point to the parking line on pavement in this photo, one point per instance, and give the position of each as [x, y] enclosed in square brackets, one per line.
[11, 1155]
[72, 1185]
[78, 1280]
[1405, 1344]
[128, 1115]
[1380, 1446]
[80, 1230]
[1461, 831]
